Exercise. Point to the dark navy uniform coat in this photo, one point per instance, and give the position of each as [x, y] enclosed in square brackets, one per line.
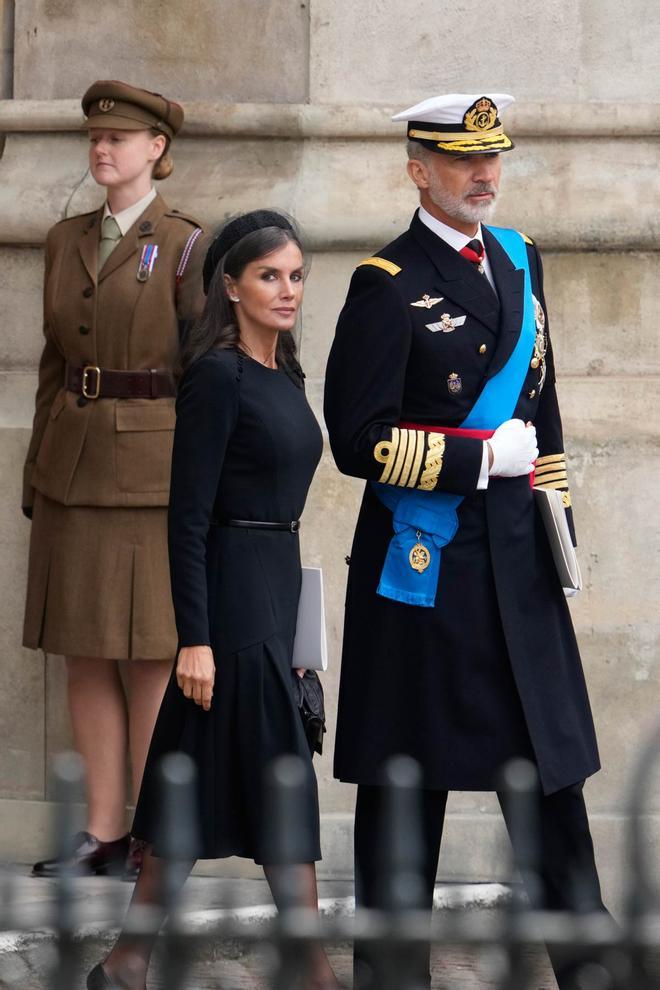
[493, 670]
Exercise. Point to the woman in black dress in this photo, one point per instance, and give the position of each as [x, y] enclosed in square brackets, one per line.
[246, 447]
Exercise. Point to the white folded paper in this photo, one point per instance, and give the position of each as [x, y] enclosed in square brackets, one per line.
[553, 513]
[310, 647]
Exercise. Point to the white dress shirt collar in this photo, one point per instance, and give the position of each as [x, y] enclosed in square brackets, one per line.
[455, 238]
[126, 218]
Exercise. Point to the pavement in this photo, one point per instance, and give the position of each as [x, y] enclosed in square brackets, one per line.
[28, 955]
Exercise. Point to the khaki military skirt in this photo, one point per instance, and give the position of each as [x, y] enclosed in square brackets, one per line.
[98, 582]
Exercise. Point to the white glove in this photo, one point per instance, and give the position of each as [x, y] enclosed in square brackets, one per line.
[514, 449]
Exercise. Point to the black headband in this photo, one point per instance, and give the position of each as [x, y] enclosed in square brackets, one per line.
[235, 231]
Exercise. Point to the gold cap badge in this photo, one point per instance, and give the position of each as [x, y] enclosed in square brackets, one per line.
[481, 116]
[106, 105]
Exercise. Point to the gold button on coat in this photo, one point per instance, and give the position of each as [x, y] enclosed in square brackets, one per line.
[532, 394]
[534, 363]
[483, 349]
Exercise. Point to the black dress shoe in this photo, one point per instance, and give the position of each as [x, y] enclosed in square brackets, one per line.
[98, 979]
[89, 857]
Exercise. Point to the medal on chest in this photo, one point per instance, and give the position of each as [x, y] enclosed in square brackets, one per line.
[447, 323]
[540, 343]
[454, 384]
[426, 302]
[147, 262]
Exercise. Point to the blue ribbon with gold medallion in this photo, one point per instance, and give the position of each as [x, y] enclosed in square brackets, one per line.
[424, 522]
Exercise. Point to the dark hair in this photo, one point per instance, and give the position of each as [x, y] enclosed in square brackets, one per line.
[217, 326]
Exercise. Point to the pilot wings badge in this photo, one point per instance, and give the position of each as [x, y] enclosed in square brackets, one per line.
[447, 323]
[426, 301]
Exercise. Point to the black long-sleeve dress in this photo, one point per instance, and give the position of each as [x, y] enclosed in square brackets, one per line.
[246, 447]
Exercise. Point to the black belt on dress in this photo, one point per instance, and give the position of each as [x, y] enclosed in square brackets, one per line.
[291, 527]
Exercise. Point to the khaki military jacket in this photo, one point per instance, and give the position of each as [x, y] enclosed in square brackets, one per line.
[110, 452]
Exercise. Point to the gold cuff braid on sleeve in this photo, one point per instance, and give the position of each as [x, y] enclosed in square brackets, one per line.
[402, 458]
[543, 479]
[550, 472]
[433, 463]
[420, 441]
[385, 453]
[550, 459]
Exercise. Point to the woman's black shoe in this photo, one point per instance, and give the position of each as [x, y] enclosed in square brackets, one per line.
[89, 856]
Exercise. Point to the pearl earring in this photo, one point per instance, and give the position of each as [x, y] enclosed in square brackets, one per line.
[234, 299]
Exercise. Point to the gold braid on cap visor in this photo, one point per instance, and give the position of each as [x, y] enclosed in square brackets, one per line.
[494, 140]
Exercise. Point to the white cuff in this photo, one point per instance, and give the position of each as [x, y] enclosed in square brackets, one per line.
[483, 473]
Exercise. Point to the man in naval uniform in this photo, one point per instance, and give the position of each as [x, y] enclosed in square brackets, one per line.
[440, 391]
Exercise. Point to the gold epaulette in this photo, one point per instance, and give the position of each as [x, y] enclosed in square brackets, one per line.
[526, 239]
[387, 266]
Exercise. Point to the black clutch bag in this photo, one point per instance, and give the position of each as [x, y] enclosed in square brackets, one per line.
[309, 694]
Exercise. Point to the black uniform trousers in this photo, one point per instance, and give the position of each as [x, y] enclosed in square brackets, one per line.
[566, 871]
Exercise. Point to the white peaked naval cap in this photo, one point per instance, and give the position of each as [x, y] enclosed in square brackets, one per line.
[459, 123]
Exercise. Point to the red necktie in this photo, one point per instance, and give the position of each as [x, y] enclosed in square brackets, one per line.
[474, 252]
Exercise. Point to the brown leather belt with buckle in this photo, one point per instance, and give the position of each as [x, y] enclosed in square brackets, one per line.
[93, 382]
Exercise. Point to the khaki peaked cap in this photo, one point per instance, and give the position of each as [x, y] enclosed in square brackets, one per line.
[113, 104]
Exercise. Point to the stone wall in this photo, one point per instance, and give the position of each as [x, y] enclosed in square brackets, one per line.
[288, 105]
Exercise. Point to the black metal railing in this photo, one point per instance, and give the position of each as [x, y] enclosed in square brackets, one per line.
[623, 956]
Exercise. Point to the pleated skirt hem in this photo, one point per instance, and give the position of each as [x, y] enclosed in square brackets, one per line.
[98, 582]
[253, 720]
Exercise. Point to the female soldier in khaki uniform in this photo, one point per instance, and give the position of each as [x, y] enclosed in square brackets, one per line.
[119, 284]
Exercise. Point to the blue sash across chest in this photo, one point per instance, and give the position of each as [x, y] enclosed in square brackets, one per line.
[424, 522]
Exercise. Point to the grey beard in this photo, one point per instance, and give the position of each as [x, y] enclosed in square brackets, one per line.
[459, 209]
